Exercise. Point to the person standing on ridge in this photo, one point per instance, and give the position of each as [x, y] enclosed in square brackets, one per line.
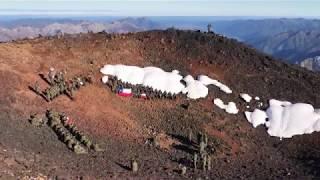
[209, 28]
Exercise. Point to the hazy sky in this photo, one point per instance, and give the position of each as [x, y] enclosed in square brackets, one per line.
[287, 8]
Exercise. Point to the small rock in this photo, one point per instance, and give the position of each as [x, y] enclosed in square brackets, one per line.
[163, 41]
[78, 149]
[134, 166]
[10, 161]
[183, 170]
[36, 120]
[97, 148]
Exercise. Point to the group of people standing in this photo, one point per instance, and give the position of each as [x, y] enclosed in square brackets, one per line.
[138, 91]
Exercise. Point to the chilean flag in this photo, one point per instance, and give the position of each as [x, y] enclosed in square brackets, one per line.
[125, 92]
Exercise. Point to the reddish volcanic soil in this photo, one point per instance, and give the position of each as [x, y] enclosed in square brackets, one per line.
[125, 127]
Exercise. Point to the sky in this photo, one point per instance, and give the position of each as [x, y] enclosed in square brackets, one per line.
[273, 8]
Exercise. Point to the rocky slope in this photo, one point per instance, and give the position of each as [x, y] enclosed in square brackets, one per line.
[154, 132]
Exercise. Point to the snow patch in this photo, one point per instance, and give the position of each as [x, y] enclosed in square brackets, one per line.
[153, 77]
[246, 97]
[175, 71]
[218, 102]
[209, 81]
[286, 119]
[195, 89]
[130, 74]
[158, 79]
[260, 104]
[257, 117]
[105, 79]
[230, 108]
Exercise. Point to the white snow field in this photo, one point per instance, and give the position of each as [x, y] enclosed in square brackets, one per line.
[230, 108]
[161, 80]
[284, 119]
[149, 76]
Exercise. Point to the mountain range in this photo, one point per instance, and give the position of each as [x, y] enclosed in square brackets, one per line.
[31, 28]
[291, 40]
[293, 46]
